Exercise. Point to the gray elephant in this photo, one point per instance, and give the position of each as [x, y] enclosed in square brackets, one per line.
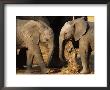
[81, 30]
[30, 34]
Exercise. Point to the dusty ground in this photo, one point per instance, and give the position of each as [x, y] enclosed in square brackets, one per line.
[72, 56]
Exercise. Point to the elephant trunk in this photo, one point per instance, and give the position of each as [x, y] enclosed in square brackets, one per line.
[61, 40]
[51, 49]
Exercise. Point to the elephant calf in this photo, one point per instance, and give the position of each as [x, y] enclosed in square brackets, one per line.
[30, 34]
[81, 30]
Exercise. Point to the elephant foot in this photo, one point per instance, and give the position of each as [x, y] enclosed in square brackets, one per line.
[85, 71]
[44, 71]
[28, 71]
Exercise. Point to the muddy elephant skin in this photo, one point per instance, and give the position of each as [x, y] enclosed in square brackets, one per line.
[82, 31]
[30, 34]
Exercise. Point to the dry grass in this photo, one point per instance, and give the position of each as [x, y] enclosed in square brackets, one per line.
[71, 57]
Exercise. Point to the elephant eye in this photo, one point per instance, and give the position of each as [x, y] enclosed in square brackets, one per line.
[65, 32]
[46, 39]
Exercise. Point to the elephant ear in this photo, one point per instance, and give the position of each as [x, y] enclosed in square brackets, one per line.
[31, 30]
[36, 37]
[80, 28]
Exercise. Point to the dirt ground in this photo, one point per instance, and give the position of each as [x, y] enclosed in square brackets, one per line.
[72, 56]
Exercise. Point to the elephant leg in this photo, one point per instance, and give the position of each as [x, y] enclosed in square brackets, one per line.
[38, 56]
[84, 53]
[29, 61]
